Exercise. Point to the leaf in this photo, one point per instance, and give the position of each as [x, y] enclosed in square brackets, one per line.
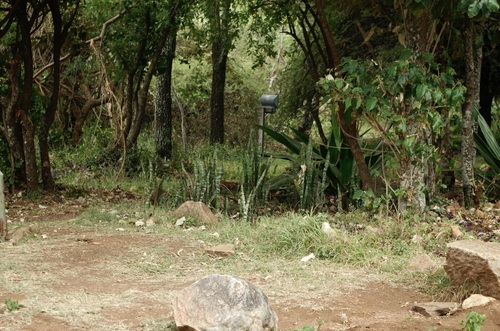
[292, 145]
[474, 9]
[405, 54]
[338, 83]
[371, 103]
[347, 102]
[420, 90]
[492, 5]
[488, 147]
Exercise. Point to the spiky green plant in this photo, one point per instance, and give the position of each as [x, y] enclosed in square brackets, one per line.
[327, 168]
[253, 191]
[204, 186]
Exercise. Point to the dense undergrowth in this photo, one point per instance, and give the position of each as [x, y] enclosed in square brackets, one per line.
[268, 220]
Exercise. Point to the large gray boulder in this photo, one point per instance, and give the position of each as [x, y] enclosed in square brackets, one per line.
[474, 261]
[223, 303]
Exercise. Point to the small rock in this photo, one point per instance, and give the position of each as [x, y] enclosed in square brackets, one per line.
[150, 222]
[416, 239]
[456, 232]
[372, 229]
[326, 228]
[481, 214]
[140, 223]
[221, 250]
[476, 300]
[120, 229]
[423, 263]
[308, 258]
[432, 309]
[180, 221]
[197, 211]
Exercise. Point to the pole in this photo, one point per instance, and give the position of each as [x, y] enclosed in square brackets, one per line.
[262, 121]
[3, 220]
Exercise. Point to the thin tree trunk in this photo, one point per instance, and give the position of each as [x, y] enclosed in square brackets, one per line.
[473, 59]
[219, 64]
[163, 109]
[220, 51]
[24, 104]
[58, 39]
[143, 93]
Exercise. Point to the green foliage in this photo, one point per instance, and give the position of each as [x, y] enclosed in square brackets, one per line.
[473, 321]
[478, 7]
[408, 103]
[488, 146]
[253, 191]
[320, 168]
[12, 304]
[368, 199]
[204, 186]
[394, 97]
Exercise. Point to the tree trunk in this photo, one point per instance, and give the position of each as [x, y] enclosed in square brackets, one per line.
[414, 168]
[25, 102]
[488, 85]
[473, 58]
[13, 129]
[143, 93]
[163, 109]
[219, 64]
[58, 39]
[348, 125]
[350, 130]
[220, 51]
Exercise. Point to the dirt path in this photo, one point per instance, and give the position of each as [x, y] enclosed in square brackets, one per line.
[73, 277]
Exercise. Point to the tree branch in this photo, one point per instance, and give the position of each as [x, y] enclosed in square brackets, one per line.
[105, 26]
[47, 66]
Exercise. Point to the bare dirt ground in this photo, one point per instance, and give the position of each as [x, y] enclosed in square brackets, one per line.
[120, 277]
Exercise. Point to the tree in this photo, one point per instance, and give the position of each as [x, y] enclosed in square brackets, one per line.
[27, 110]
[476, 12]
[163, 98]
[309, 26]
[60, 33]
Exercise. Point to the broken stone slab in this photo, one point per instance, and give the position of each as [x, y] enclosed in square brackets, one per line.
[474, 261]
[223, 303]
[422, 263]
[433, 309]
[197, 211]
[221, 250]
[476, 300]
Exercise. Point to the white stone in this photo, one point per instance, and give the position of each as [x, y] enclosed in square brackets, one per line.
[476, 300]
[307, 258]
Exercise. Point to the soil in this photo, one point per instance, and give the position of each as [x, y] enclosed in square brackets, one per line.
[70, 276]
